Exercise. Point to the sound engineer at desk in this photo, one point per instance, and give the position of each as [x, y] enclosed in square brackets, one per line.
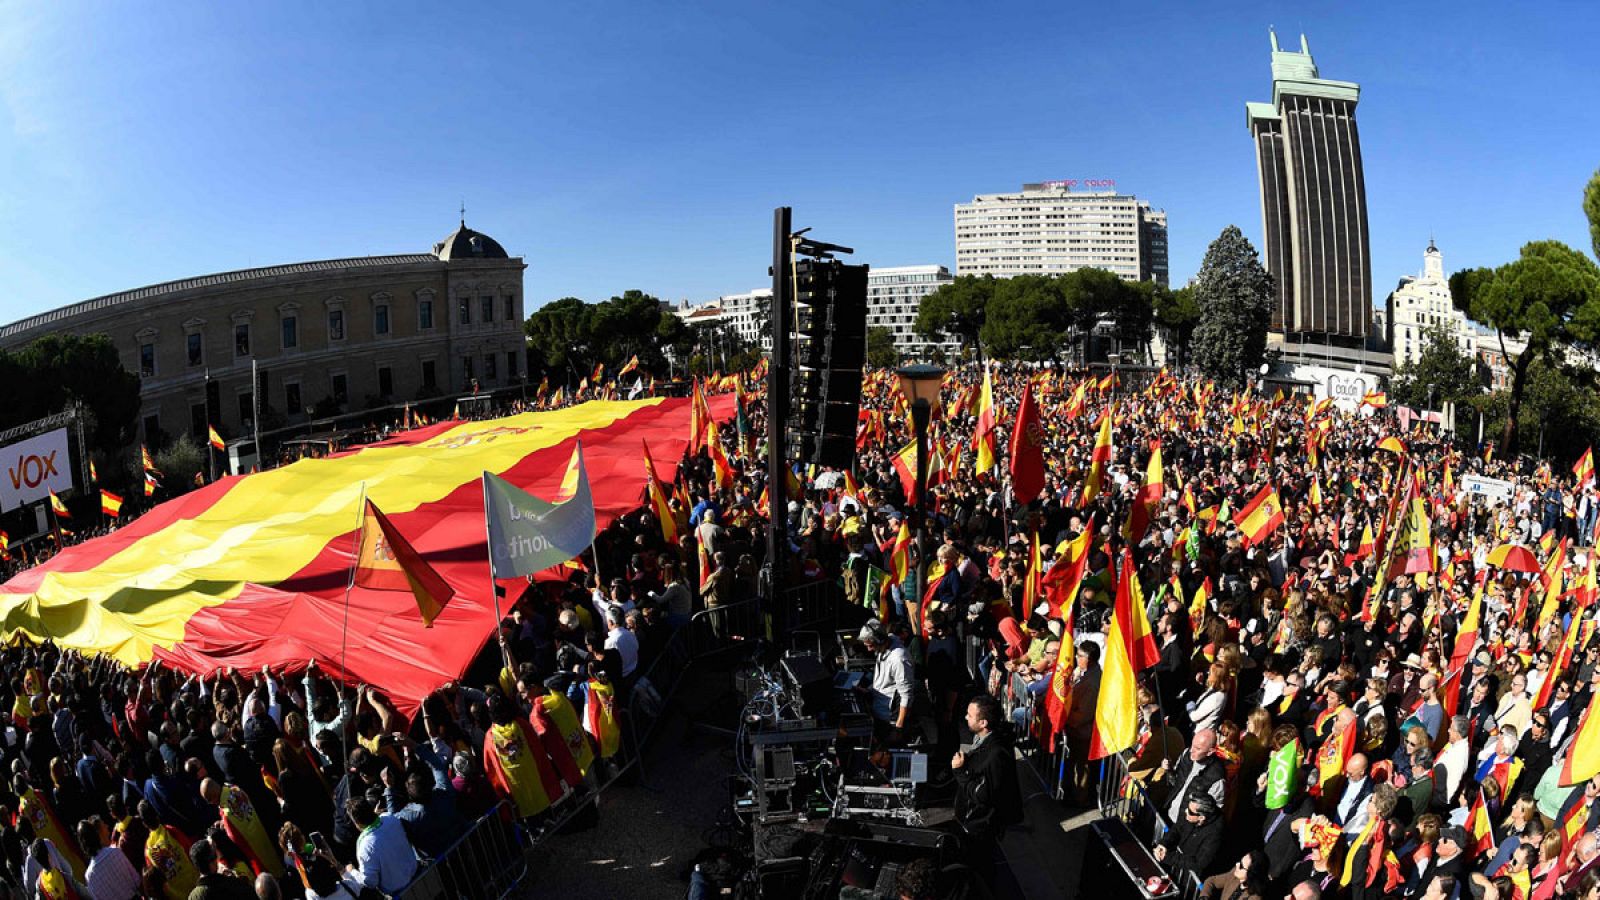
[891, 688]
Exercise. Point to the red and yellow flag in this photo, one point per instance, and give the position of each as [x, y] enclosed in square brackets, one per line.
[1584, 467]
[659, 504]
[983, 435]
[1099, 458]
[215, 439]
[1062, 582]
[1198, 606]
[900, 554]
[386, 561]
[1583, 757]
[1147, 503]
[1261, 516]
[110, 503]
[1058, 700]
[58, 507]
[1116, 712]
[1479, 831]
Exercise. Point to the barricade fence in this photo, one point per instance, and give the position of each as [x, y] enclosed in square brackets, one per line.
[1121, 796]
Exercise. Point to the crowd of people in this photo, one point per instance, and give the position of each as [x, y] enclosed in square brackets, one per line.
[1428, 701]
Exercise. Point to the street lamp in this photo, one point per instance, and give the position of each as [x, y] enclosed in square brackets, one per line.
[919, 384]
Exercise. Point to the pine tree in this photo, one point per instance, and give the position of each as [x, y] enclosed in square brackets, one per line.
[1235, 296]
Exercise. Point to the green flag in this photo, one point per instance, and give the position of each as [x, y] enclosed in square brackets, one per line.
[527, 534]
[877, 579]
[1282, 771]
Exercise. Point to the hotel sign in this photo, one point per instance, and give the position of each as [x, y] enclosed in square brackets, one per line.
[1071, 183]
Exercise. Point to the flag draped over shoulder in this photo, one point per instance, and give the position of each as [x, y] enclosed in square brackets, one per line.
[386, 561]
[527, 534]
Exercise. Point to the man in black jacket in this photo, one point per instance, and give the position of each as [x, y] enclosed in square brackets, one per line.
[987, 796]
[1199, 772]
[1192, 842]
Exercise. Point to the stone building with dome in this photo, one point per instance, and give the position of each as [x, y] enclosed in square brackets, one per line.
[336, 335]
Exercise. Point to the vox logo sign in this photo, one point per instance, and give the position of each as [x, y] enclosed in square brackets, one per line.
[33, 468]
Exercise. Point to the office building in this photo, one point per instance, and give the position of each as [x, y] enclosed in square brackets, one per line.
[894, 296]
[1313, 204]
[1050, 228]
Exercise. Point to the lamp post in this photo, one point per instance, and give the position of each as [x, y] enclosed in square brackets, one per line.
[920, 386]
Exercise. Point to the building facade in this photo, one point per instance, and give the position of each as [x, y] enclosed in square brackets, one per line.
[1050, 229]
[329, 336]
[894, 297]
[1313, 202]
[1421, 304]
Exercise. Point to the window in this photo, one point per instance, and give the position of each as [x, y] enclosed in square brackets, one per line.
[335, 324]
[385, 381]
[486, 304]
[341, 388]
[489, 366]
[464, 311]
[430, 375]
[197, 421]
[196, 343]
[380, 319]
[247, 407]
[511, 308]
[511, 364]
[291, 332]
[241, 339]
[425, 314]
[466, 369]
[291, 399]
[147, 360]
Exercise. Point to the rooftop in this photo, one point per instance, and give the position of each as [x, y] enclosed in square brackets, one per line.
[206, 281]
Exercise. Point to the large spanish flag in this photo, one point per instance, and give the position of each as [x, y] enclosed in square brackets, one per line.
[251, 570]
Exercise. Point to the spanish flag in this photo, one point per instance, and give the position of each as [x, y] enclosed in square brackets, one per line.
[632, 365]
[386, 561]
[983, 435]
[1142, 650]
[1148, 501]
[59, 508]
[94, 474]
[149, 483]
[1261, 516]
[1479, 830]
[1376, 400]
[1099, 458]
[110, 503]
[1467, 635]
[1333, 754]
[1058, 700]
[214, 438]
[1065, 578]
[721, 467]
[658, 500]
[1079, 399]
[1584, 467]
[146, 461]
[1116, 712]
[1198, 607]
[900, 554]
[1583, 757]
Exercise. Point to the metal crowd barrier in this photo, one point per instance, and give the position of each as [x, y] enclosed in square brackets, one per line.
[486, 863]
[1123, 797]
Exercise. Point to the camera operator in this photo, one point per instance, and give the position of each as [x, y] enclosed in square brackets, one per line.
[891, 683]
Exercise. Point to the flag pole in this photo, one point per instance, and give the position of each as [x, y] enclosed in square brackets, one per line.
[494, 589]
[344, 636]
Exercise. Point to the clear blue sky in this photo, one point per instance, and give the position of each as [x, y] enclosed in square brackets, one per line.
[644, 146]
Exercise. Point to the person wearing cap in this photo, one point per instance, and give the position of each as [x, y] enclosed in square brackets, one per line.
[1192, 842]
[891, 689]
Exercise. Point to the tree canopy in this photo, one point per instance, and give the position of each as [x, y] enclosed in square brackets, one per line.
[1234, 295]
[57, 370]
[1549, 297]
[1176, 314]
[881, 351]
[1044, 317]
[1440, 374]
[569, 336]
[958, 309]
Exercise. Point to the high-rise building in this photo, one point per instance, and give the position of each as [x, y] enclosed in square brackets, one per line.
[1050, 229]
[894, 296]
[1313, 203]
